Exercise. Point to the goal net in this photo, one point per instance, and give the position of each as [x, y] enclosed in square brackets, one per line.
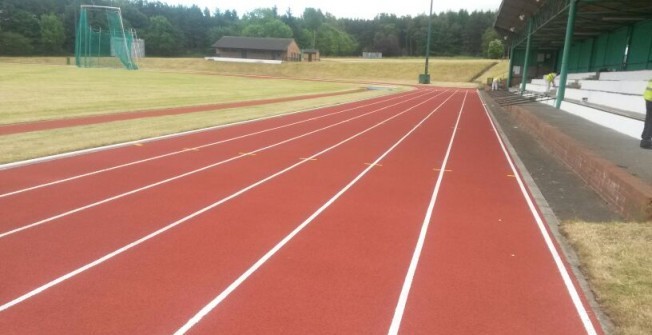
[101, 39]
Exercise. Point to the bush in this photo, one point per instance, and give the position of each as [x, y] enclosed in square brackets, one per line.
[496, 49]
[15, 44]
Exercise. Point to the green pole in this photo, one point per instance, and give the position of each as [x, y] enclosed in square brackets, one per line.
[570, 25]
[429, 34]
[425, 78]
[527, 55]
[511, 67]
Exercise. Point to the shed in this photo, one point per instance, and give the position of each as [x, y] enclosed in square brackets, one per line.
[310, 55]
[285, 49]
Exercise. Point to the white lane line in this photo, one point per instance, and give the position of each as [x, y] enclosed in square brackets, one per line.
[224, 294]
[92, 173]
[409, 277]
[168, 136]
[239, 156]
[568, 282]
[195, 214]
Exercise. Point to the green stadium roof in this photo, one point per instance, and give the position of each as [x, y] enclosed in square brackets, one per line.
[549, 18]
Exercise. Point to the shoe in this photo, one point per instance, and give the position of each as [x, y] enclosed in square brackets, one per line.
[646, 144]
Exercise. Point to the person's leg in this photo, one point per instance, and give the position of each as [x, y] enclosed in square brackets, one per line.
[646, 136]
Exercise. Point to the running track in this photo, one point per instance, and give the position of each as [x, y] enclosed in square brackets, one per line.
[401, 214]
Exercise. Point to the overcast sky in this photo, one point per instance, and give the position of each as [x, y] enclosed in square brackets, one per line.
[365, 9]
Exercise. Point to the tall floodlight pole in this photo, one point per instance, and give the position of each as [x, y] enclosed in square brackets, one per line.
[425, 78]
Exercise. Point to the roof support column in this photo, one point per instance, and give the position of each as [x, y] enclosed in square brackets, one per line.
[511, 67]
[570, 25]
[527, 55]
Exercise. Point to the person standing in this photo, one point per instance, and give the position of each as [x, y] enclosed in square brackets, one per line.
[494, 84]
[550, 80]
[646, 136]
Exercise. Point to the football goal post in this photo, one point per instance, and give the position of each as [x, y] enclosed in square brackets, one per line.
[101, 39]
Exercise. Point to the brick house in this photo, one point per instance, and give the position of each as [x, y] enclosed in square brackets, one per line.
[285, 49]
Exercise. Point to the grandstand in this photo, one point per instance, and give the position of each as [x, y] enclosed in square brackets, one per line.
[601, 50]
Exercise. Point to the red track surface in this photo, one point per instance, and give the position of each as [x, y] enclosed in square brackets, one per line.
[302, 224]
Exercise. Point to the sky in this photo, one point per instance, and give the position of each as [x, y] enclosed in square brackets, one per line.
[364, 9]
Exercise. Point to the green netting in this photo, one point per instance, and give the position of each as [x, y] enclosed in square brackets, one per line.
[101, 40]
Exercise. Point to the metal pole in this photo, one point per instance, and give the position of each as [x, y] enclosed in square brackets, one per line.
[570, 24]
[511, 67]
[429, 34]
[131, 65]
[425, 77]
[527, 55]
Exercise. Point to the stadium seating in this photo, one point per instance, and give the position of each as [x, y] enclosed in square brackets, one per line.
[609, 91]
[611, 99]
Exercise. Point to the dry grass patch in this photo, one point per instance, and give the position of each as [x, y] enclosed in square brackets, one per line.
[617, 259]
[41, 92]
[500, 70]
[43, 143]
[458, 72]
[405, 71]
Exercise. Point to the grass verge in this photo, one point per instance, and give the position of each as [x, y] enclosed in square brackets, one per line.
[44, 143]
[617, 260]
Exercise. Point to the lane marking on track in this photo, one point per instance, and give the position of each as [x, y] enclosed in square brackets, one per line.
[399, 96]
[190, 149]
[246, 154]
[568, 282]
[184, 133]
[309, 159]
[409, 277]
[445, 170]
[224, 294]
[168, 180]
[373, 164]
[142, 240]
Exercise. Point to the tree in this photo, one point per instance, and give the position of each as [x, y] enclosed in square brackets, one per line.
[23, 23]
[495, 50]
[265, 22]
[15, 44]
[387, 44]
[313, 19]
[161, 37]
[488, 36]
[52, 34]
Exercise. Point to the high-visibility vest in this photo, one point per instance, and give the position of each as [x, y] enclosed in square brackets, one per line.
[550, 77]
[648, 91]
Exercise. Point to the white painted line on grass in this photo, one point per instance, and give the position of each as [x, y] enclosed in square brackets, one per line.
[409, 277]
[568, 282]
[188, 149]
[224, 294]
[193, 215]
[240, 155]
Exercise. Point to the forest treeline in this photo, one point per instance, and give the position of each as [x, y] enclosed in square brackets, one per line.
[47, 27]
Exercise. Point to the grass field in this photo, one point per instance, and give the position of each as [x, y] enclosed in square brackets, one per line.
[41, 92]
[44, 143]
[444, 71]
[617, 259]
